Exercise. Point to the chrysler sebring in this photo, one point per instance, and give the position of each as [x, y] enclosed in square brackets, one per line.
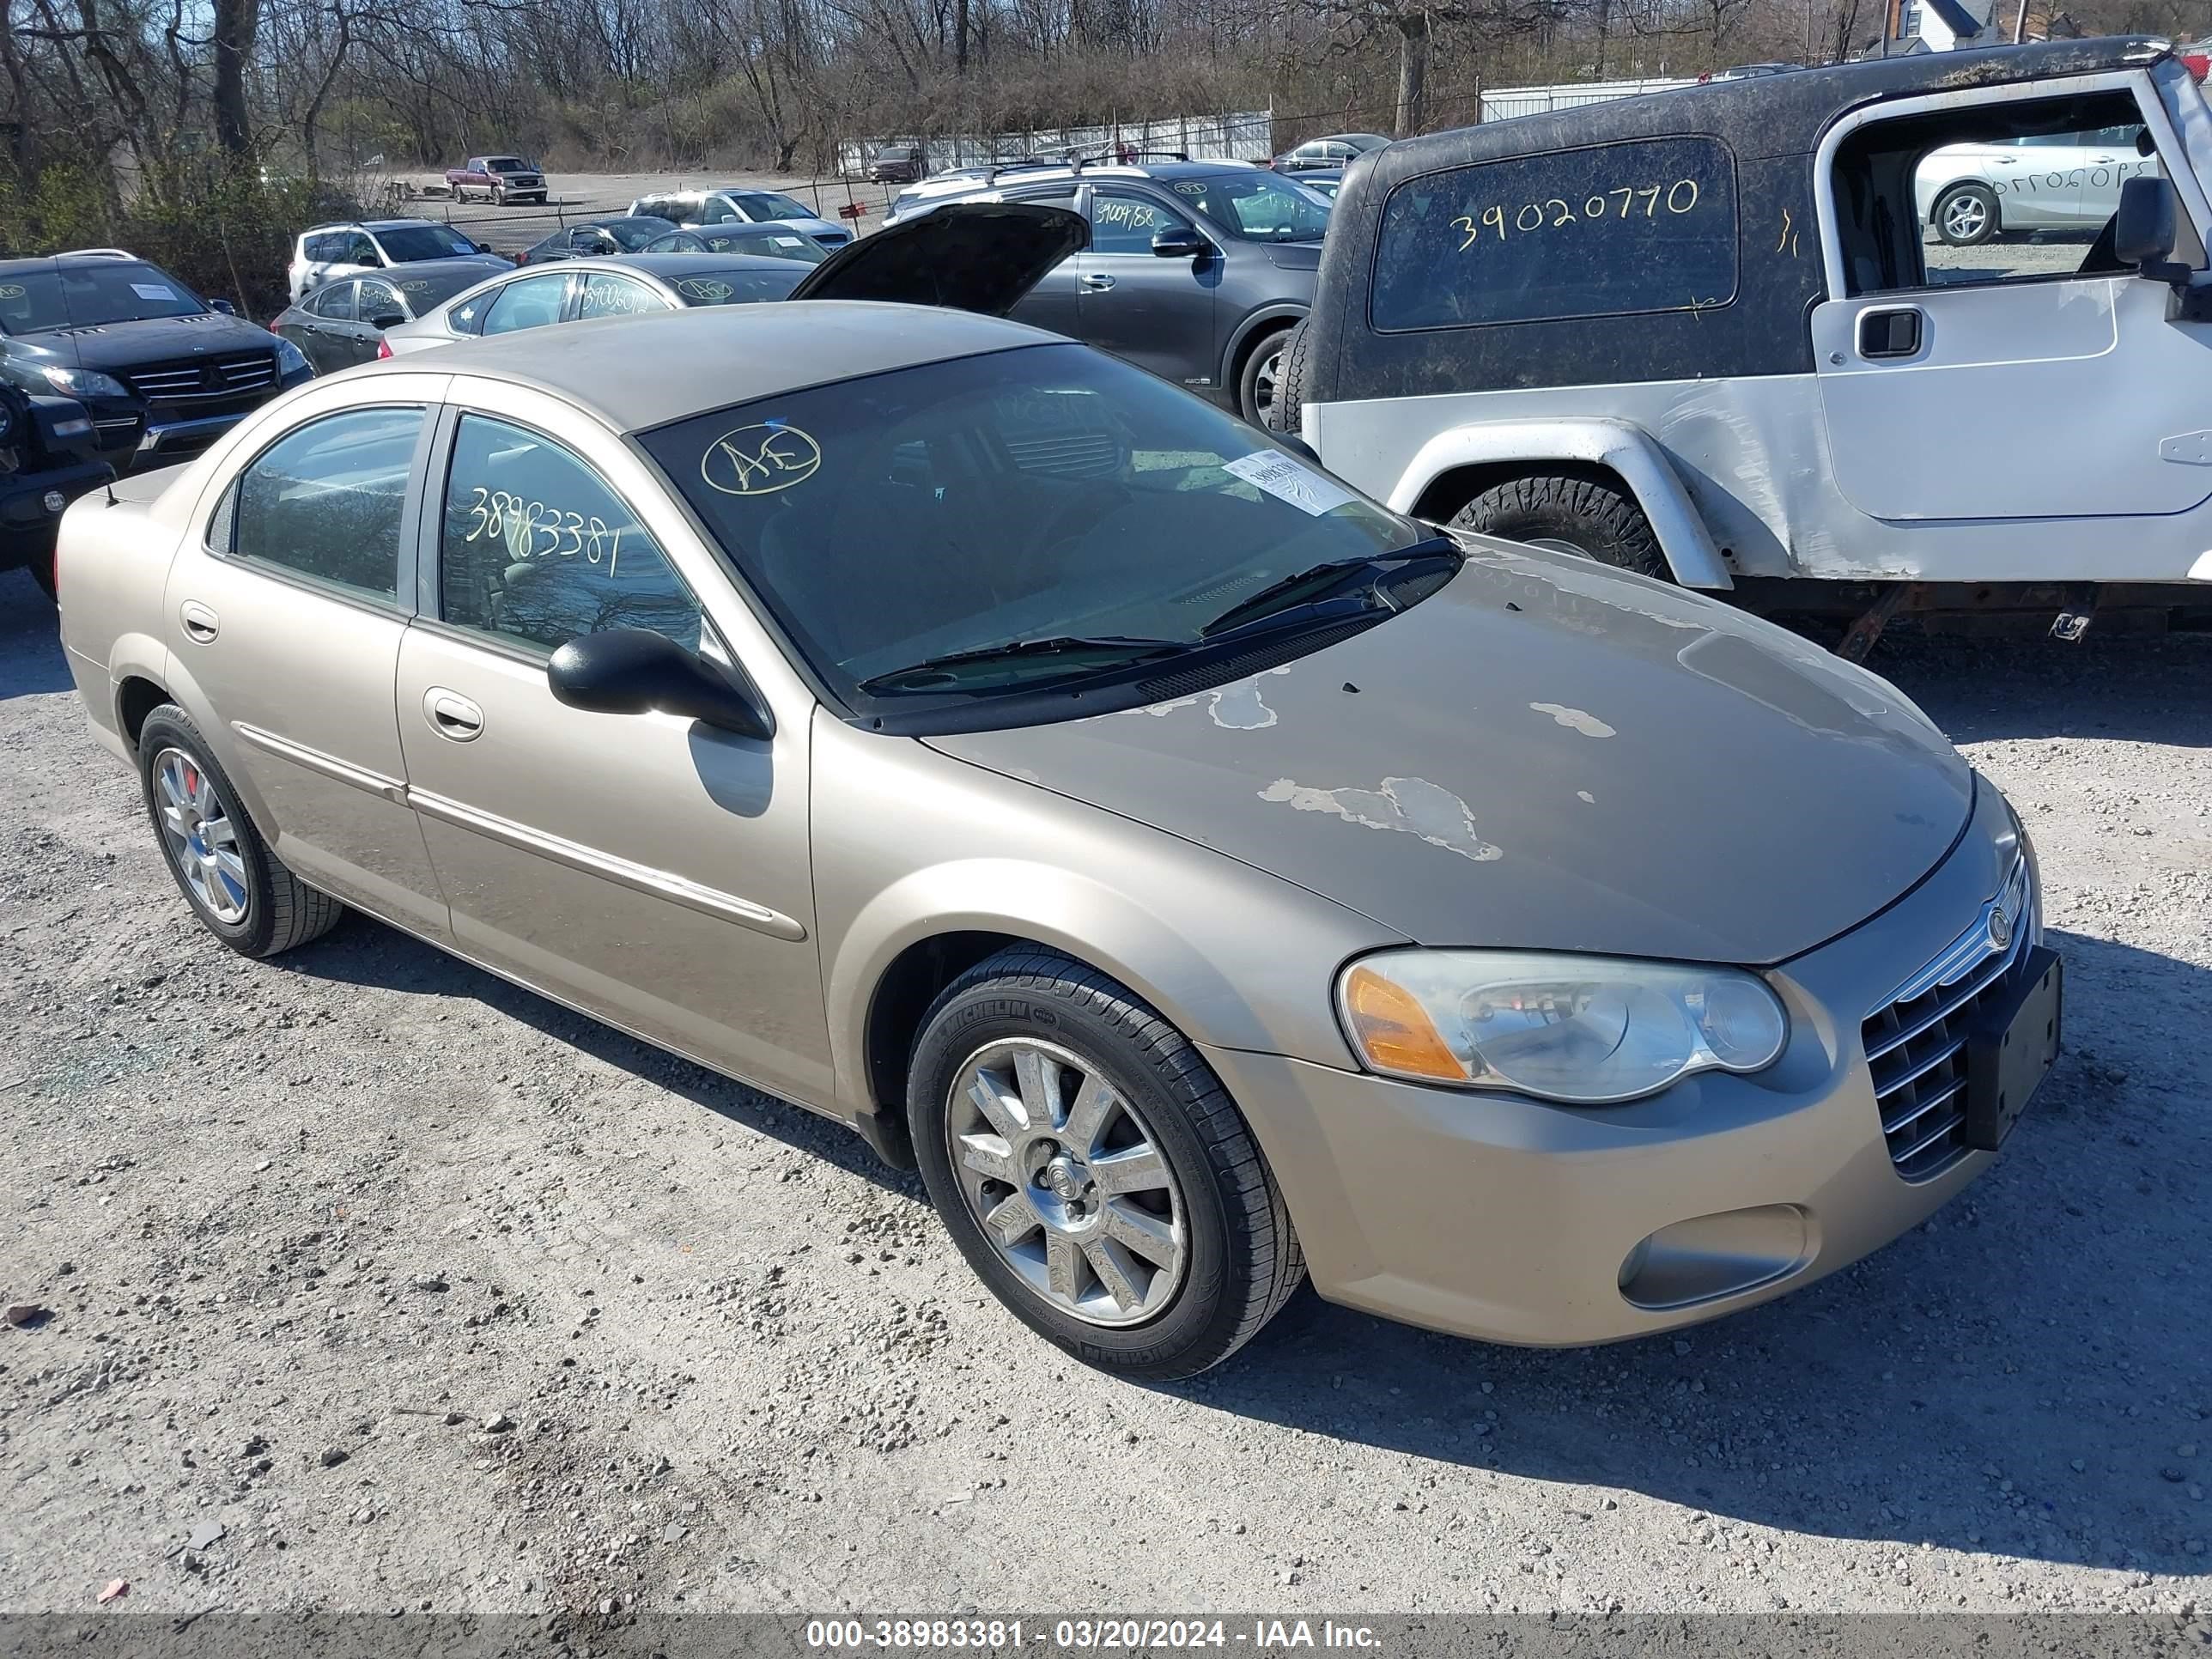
[1207, 877]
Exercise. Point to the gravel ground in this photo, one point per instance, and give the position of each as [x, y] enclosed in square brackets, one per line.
[375, 1283]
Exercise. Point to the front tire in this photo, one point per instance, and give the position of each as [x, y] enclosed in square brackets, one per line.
[499, 195]
[1965, 215]
[1256, 381]
[1093, 1170]
[239, 890]
[1576, 510]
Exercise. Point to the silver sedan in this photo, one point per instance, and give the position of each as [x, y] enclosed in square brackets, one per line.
[1208, 877]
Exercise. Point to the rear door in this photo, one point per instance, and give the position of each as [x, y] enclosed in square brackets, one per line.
[285, 610]
[1156, 312]
[1052, 303]
[327, 311]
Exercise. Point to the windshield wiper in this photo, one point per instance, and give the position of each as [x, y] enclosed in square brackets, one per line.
[1320, 581]
[1118, 650]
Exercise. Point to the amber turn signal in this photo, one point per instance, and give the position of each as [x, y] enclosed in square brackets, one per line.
[1394, 1032]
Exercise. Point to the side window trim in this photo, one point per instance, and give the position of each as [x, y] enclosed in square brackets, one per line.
[405, 601]
[2137, 82]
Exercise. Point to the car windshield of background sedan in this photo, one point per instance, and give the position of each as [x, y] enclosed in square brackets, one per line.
[997, 523]
[425, 293]
[1257, 206]
[737, 288]
[759, 240]
[766, 205]
[409, 243]
[90, 296]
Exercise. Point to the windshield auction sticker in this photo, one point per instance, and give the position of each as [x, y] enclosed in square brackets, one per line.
[1286, 480]
[761, 459]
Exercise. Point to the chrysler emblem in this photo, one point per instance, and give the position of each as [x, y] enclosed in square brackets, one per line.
[2000, 929]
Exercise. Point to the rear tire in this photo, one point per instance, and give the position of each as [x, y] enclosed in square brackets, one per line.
[1575, 510]
[241, 891]
[1965, 215]
[1156, 1270]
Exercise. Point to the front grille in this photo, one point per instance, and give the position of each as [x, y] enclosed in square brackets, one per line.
[200, 378]
[1916, 1044]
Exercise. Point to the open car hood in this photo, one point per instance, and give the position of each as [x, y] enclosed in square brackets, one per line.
[971, 256]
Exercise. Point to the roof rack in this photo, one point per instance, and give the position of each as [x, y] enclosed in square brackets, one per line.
[96, 253]
[1029, 164]
[1135, 155]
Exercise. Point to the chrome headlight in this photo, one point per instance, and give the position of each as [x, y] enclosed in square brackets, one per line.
[1581, 1030]
[85, 383]
[290, 360]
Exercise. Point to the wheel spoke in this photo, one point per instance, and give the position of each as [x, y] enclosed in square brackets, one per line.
[1013, 1220]
[173, 818]
[997, 1109]
[1063, 1260]
[988, 1155]
[1140, 1169]
[1094, 1102]
[172, 784]
[218, 832]
[228, 864]
[1146, 1234]
[1106, 1261]
[203, 797]
[1038, 1080]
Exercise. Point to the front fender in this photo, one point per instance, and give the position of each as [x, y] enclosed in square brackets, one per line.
[1280, 315]
[1627, 449]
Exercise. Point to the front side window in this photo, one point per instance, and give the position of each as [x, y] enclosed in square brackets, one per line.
[378, 303]
[327, 502]
[536, 549]
[893, 521]
[2005, 192]
[91, 295]
[617, 296]
[530, 302]
[1612, 230]
[1124, 222]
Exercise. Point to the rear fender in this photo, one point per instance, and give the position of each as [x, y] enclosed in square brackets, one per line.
[1627, 449]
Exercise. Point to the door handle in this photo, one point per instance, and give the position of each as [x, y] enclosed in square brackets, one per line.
[1893, 332]
[2004, 160]
[1097, 284]
[451, 715]
[200, 622]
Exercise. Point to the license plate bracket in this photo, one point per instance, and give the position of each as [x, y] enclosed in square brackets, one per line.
[2011, 1049]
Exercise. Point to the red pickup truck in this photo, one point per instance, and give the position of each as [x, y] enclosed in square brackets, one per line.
[504, 178]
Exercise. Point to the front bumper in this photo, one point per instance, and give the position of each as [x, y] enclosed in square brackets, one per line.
[1500, 1218]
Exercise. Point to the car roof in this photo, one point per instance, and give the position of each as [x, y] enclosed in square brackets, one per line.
[366, 224]
[636, 373]
[1009, 173]
[681, 263]
[69, 261]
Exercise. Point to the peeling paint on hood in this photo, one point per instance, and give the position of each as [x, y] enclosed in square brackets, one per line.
[1751, 797]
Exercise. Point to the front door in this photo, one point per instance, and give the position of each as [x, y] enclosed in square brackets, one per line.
[286, 613]
[1156, 312]
[1052, 303]
[652, 870]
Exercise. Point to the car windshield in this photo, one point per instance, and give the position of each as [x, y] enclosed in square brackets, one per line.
[764, 204]
[88, 295]
[424, 293]
[408, 243]
[1046, 494]
[762, 241]
[735, 288]
[1257, 206]
[506, 164]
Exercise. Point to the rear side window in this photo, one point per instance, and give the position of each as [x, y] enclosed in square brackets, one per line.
[1649, 226]
[327, 502]
[617, 296]
[335, 303]
[533, 302]
[326, 247]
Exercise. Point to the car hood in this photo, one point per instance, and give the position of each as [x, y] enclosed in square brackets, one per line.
[972, 256]
[1545, 754]
[124, 345]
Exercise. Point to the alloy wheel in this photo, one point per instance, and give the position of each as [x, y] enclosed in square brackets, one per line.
[1965, 217]
[1263, 383]
[1067, 1182]
[199, 835]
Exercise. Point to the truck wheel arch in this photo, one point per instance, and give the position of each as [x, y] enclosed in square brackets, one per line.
[1458, 465]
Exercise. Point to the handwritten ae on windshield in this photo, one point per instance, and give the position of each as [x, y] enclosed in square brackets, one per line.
[759, 459]
[1679, 198]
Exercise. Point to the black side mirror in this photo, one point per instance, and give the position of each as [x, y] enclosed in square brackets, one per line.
[369, 262]
[630, 671]
[385, 320]
[1180, 242]
[484, 247]
[224, 307]
[2143, 228]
